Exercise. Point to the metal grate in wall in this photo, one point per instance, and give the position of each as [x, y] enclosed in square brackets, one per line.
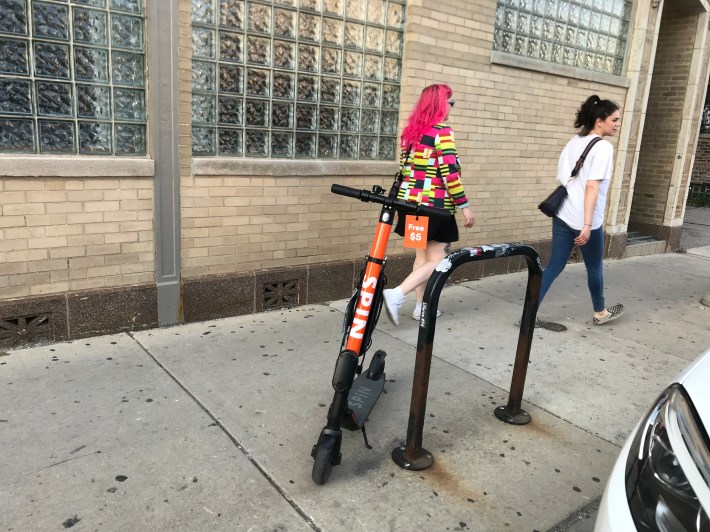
[20, 330]
[280, 294]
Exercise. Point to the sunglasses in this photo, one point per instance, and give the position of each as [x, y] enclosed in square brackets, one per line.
[452, 102]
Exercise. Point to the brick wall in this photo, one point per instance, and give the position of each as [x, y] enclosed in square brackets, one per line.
[510, 125]
[61, 234]
[664, 115]
[243, 223]
[701, 168]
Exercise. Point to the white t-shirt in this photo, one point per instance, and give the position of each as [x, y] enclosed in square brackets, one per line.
[598, 165]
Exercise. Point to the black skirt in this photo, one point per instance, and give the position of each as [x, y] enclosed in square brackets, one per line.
[440, 229]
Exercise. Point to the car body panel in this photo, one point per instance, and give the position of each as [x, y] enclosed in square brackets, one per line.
[614, 514]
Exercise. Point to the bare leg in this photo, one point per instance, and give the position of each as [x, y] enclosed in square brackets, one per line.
[424, 264]
[419, 261]
[432, 256]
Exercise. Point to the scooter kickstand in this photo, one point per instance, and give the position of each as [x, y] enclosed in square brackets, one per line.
[364, 435]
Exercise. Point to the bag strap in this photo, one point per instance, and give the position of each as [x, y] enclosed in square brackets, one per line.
[401, 167]
[580, 161]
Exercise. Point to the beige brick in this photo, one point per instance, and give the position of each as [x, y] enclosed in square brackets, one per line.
[29, 279]
[73, 184]
[136, 205]
[102, 184]
[101, 206]
[121, 194]
[53, 288]
[103, 271]
[105, 249]
[24, 232]
[48, 242]
[45, 219]
[84, 195]
[121, 216]
[24, 184]
[138, 184]
[14, 292]
[12, 221]
[141, 267]
[22, 208]
[84, 240]
[47, 265]
[82, 263]
[12, 197]
[207, 222]
[58, 230]
[135, 226]
[85, 218]
[123, 258]
[113, 238]
[13, 245]
[87, 284]
[104, 228]
[12, 268]
[65, 207]
[67, 252]
[45, 196]
[136, 246]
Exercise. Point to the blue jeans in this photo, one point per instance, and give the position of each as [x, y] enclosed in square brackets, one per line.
[593, 251]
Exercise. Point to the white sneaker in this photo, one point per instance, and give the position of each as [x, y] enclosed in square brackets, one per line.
[417, 314]
[392, 303]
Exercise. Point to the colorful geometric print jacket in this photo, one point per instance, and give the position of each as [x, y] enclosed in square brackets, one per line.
[432, 171]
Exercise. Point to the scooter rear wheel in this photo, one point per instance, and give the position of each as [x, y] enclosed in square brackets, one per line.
[324, 460]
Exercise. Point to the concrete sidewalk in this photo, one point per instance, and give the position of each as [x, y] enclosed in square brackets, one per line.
[209, 426]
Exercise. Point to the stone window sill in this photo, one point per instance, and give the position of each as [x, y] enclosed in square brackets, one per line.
[226, 166]
[518, 61]
[75, 166]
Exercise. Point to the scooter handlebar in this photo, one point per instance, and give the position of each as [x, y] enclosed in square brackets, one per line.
[410, 207]
[349, 192]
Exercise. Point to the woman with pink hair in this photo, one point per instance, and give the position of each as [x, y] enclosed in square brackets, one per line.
[431, 176]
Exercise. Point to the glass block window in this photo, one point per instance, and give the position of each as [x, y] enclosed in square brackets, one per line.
[588, 34]
[72, 77]
[296, 78]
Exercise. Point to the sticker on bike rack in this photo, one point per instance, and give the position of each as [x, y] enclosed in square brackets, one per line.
[444, 265]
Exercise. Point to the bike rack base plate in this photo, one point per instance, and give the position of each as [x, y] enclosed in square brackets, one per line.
[521, 418]
[423, 461]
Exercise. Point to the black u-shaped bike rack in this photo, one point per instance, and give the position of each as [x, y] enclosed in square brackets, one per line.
[411, 455]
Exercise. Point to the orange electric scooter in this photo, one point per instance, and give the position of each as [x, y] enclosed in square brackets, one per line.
[356, 392]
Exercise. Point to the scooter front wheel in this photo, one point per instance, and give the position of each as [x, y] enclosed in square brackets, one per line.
[324, 459]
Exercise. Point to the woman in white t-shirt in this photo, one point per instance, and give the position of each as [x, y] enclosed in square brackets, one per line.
[581, 216]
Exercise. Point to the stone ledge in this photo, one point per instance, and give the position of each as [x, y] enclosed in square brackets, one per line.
[228, 166]
[527, 63]
[74, 166]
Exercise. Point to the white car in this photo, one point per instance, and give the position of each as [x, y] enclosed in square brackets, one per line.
[661, 480]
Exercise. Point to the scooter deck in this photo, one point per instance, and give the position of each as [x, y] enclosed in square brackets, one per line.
[361, 400]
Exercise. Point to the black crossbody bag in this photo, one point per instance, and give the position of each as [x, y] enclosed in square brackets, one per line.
[551, 204]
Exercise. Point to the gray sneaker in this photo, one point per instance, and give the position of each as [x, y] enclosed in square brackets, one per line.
[417, 314]
[538, 323]
[612, 313]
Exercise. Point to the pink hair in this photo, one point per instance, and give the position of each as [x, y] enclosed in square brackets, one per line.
[429, 110]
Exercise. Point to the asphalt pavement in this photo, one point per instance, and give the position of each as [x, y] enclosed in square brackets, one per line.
[209, 426]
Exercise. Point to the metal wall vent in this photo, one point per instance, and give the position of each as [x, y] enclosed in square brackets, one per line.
[280, 294]
[25, 330]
